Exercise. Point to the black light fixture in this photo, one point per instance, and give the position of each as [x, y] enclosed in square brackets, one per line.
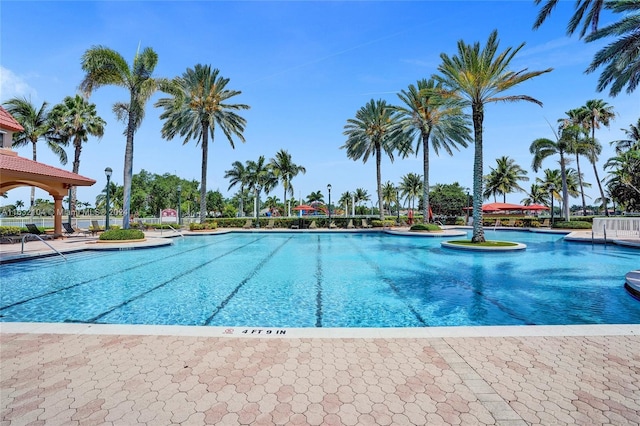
[329, 206]
[398, 204]
[179, 193]
[552, 189]
[108, 173]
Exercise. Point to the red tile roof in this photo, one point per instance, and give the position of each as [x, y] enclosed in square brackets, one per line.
[8, 122]
[10, 164]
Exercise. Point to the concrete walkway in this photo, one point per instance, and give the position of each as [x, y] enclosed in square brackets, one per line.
[110, 377]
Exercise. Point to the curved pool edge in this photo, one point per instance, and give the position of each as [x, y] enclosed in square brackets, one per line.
[322, 333]
[516, 246]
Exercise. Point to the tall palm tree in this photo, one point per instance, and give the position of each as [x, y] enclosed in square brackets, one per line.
[261, 178]
[592, 8]
[573, 128]
[238, 175]
[285, 170]
[375, 130]
[478, 76]
[543, 148]
[106, 67]
[199, 102]
[411, 188]
[37, 125]
[76, 119]
[620, 58]
[432, 115]
[632, 141]
[597, 112]
[504, 178]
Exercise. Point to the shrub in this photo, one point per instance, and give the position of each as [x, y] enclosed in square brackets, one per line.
[9, 230]
[203, 226]
[572, 224]
[424, 227]
[377, 223]
[122, 234]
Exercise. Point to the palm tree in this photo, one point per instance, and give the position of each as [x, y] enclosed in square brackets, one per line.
[37, 125]
[411, 188]
[620, 58]
[573, 127]
[285, 170]
[315, 197]
[553, 179]
[432, 115]
[239, 176]
[632, 141]
[536, 195]
[389, 194]
[198, 104]
[592, 8]
[504, 178]
[75, 119]
[344, 200]
[104, 66]
[375, 130]
[479, 76]
[261, 178]
[595, 113]
[361, 195]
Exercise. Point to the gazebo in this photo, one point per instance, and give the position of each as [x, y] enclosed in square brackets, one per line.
[16, 171]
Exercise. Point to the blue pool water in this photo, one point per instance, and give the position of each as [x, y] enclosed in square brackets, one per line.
[327, 280]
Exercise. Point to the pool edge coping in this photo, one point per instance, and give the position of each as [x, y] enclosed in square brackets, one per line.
[321, 333]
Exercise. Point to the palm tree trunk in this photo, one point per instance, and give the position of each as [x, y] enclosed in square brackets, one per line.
[128, 171]
[584, 204]
[77, 143]
[379, 177]
[33, 188]
[425, 182]
[203, 176]
[595, 171]
[565, 189]
[478, 118]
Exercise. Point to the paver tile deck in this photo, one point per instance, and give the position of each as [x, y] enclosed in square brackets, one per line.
[162, 379]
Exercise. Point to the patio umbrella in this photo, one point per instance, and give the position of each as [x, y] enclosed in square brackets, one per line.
[304, 208]
[535, 207]
[494, 207]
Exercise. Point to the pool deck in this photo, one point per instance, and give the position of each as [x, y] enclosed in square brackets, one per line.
[160, 375]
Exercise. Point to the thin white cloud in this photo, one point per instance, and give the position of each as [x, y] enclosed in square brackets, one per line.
[13, 85]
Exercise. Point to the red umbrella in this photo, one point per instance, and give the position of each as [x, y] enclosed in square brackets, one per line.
[304, 208]
[494, 207]
[535, 207]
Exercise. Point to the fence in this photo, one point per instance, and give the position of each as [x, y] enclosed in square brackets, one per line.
[618, 227]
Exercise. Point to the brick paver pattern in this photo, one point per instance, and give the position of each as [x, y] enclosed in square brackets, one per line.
[159, 380]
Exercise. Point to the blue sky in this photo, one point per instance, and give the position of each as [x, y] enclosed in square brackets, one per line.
[304, 68]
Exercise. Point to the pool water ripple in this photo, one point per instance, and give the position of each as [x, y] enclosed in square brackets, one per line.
[327, 280]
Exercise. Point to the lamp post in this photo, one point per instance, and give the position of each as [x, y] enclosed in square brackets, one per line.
[108, 173]
[468, 207]
[329, 206]
[552, 188]
[398, 204]
[179, 193]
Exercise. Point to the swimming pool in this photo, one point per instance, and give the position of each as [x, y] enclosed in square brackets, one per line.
[327, 280]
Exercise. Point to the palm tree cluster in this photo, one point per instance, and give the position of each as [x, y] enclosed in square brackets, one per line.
[624, 178]
[471, 79]
[253, 177]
